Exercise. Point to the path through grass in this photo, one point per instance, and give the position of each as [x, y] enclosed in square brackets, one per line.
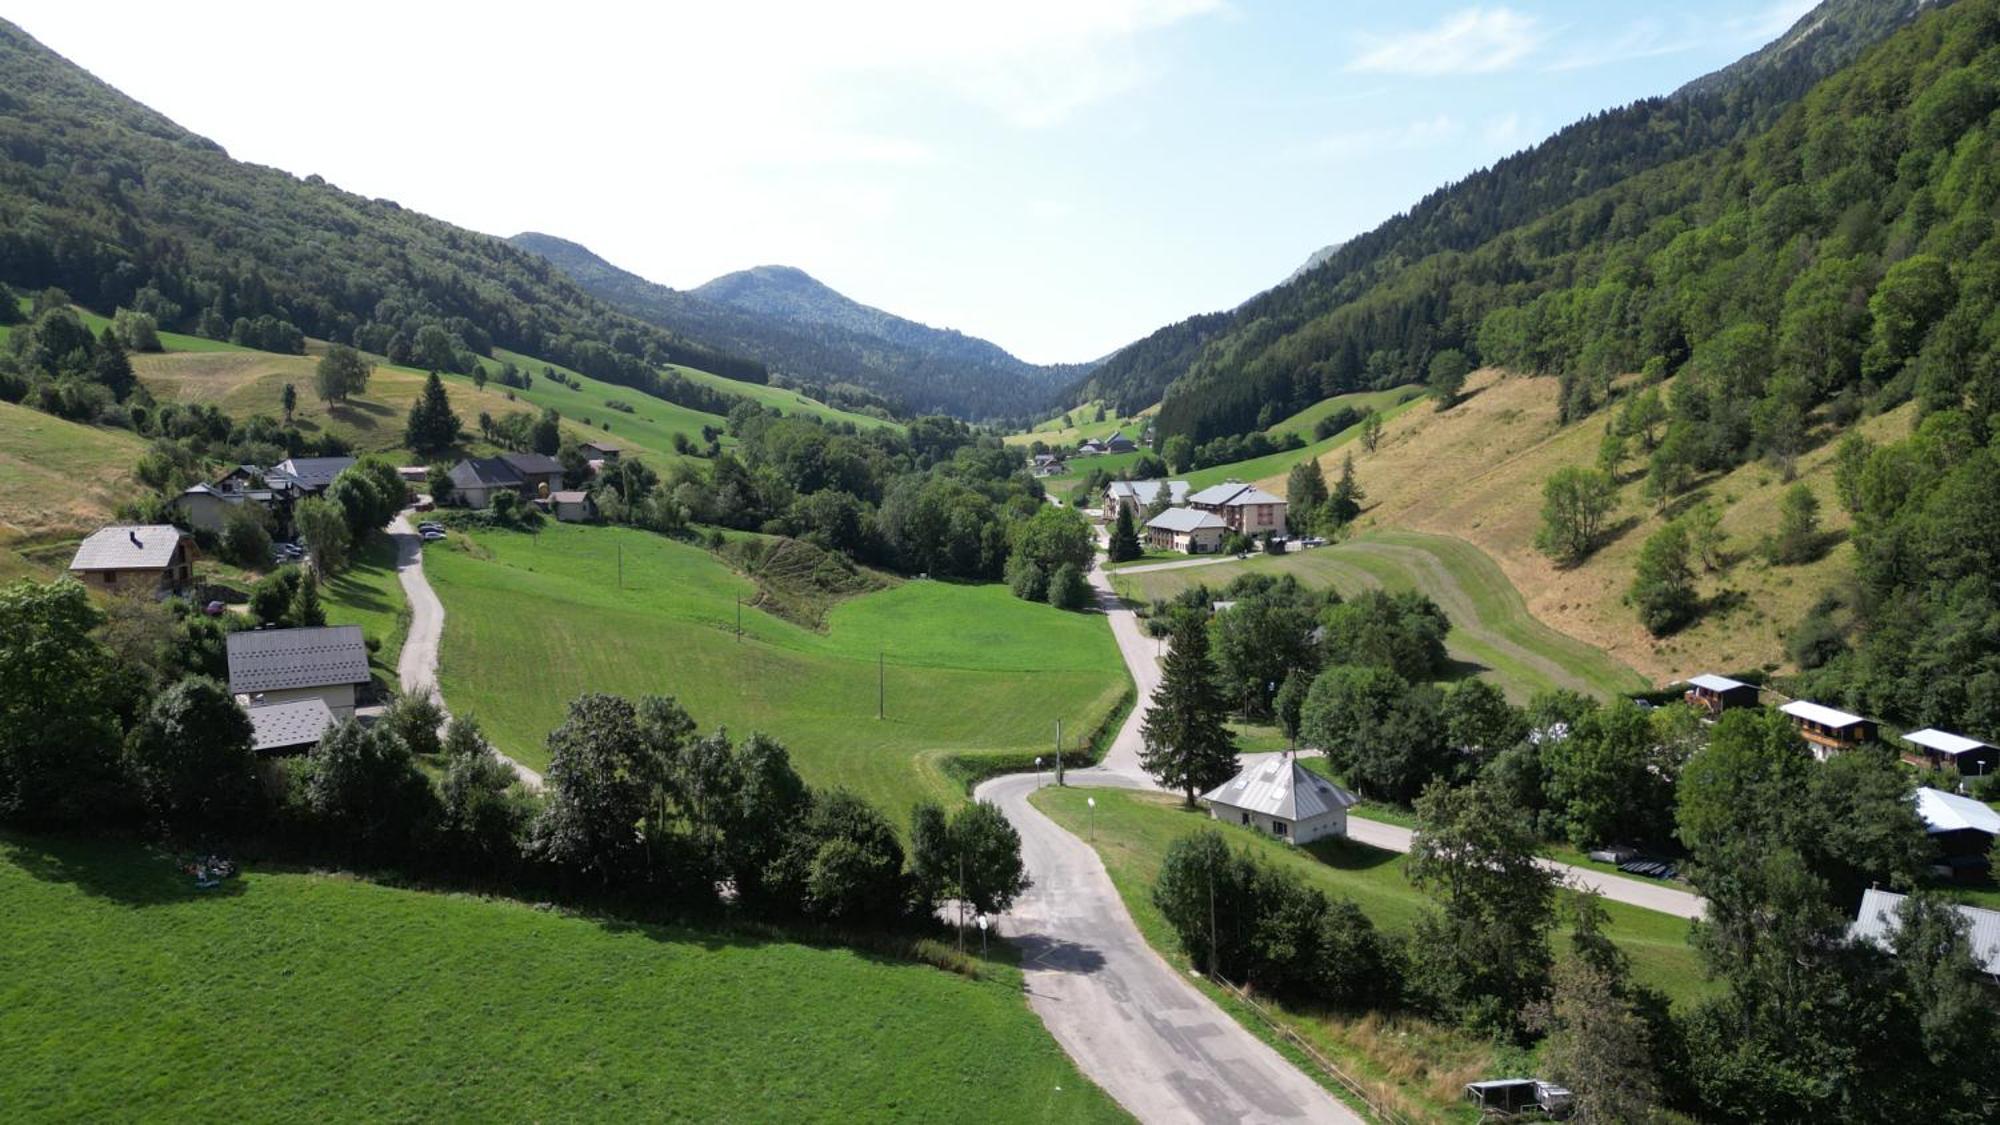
[131, 996]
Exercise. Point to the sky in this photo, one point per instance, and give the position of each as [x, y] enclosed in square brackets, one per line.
[1058, 176]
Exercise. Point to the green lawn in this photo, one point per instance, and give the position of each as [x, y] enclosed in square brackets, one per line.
[131, 996]
[368, 594]
[787, 402]
[533, 621]
[1492, 632]
[60, 478]
[1303, 422]
[1278, 464]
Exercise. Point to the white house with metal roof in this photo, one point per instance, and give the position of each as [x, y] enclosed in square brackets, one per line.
[328, 663]
[1280, 797]
[1184, 529]
[1139, 495]
[1243, 507]
[134, 559]
[1881, 917]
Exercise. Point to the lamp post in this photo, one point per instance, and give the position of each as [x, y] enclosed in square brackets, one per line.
[1092, 802]
[1038, 772]
[982, 935]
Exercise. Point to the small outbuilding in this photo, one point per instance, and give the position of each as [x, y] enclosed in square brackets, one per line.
[1282, 798]
[1827, 730]
[572, 506]
[289, 728]
[599, 450]
[328, 663]
[1185, 530]
[145, 559]
[1938, 748]
[1716, 694]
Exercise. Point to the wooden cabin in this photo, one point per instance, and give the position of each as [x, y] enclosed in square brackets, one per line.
[1716, 694]
[1829, 731]
[1938, 749]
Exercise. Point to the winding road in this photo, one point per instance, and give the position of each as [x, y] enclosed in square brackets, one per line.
[417, 667]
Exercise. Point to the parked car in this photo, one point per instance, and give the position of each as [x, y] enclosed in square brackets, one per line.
[433, 536]
[214, 609]
[429, 526]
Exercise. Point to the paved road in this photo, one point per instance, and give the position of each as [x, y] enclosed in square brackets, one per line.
[417, 666]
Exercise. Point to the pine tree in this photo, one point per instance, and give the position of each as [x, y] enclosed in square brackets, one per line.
[1345, 503]
[112, 367]
[1305, 492]
[1188, 745]
[432, 426]
[1125, 537]
[305, 610]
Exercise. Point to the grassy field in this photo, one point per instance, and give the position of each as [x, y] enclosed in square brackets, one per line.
[787, 402]
[650, 428]
[1475, 472]
[1423, 1068]
[1492, 631]
[533, 621]
[58, 480]
[1059, 430]
[1303, 422]
[130, 995]
[367, 594]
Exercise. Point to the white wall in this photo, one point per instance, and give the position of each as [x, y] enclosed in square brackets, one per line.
[1303, 832]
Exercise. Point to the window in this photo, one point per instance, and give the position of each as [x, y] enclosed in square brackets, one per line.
[1246, 818]
[1277, 828]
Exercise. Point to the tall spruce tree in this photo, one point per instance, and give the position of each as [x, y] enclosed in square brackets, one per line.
[305, 611]
[1125, 537]
[1188, 744]
[1305, 492]
[432, 427]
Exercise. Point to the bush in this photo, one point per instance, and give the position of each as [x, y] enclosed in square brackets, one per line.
[1026, 578]
[246, 536]
[1068, 589]
[271, 599]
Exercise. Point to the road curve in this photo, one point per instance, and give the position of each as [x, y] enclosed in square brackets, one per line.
[417, 667]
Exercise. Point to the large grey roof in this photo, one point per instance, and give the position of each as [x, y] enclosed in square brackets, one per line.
[1279, 786]
[1185, 519]
[484, 472]
[1253, 496]
[1949, 812]
[1216, 495]
[1879, 920]
[276, 659]
[314, 474]
[1145, 491]
[128, 547]
[536, 463]
[276, 726]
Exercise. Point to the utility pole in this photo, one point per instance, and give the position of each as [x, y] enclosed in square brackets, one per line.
[739, 620]
[881, 684]
[621, 566]
[1059, 769]
[1211, 922]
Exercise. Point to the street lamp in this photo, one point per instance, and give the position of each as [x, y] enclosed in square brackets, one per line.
[982, 935]
[1038, 771]
[1092, 802]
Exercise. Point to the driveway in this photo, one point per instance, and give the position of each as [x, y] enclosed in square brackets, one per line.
[417, 667]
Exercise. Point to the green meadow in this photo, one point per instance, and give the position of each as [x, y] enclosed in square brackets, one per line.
[650, 429]
[1303, 422]
[1492, 632]
[132, 996]
[367, 593]
[784, 401]
[961, 671]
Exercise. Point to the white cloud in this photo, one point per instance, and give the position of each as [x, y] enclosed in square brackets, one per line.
[1473, 41]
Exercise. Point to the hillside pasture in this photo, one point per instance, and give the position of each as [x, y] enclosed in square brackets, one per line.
[782, 400]
[1475, 472]
[1303, 422]
[58, 480]
[533, 621]
[1492, 632]
[1071, 426]
[649, 429]
[132, 996]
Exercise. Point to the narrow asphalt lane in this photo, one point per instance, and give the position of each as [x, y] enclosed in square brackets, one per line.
[417, 667]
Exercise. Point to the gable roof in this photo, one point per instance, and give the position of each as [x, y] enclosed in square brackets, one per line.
[275, 659]
[1144, 491]
[1186, 519]
[1216, 495]
[1116, 440]
[276, 726]
[1824, 716]
[1880, 919]
[1949, 812]
[125, 546]
[1944, 742]
[576, 496]
[484, 472]
[1279, 786]
[1709, 682]
[602, 446]
[313, 473]
[536, 464]
[1252, 496]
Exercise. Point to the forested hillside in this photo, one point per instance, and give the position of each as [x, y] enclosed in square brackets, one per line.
[814, 337]
[1305, 340]
[122, 208]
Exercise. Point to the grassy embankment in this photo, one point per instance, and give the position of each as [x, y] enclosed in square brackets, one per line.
[1492, 633]
[1303, 422]
[1475, 473]
[1414, 1065]
[966, 670]
[131, 995]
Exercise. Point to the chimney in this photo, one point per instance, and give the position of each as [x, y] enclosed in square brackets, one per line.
[133, 534]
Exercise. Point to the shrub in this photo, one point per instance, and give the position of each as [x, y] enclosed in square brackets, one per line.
[1068, 589]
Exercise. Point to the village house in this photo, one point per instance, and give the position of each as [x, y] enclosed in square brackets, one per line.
[1881, 917]
[1185, 530]
[1119, 443]
[475, 480]
[1282, 798]
[1244, 509]
[1961, 829]
[1089, 447]
[143, 559]
[309, 476]
[328, 663]
[572, 506]
[1139, 495]
[1048, 464]
[1715, 694]
[289, 728]
[1937, 749]
[1828, 731]
[599, 450]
